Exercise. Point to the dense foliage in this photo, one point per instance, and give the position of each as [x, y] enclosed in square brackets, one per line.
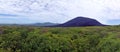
[59, 39]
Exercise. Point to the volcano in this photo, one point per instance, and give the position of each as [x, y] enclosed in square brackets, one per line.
[80, 21]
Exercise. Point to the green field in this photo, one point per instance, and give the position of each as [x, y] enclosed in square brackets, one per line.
[59, 39]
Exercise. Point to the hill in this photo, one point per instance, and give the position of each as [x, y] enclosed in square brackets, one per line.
[80, 21]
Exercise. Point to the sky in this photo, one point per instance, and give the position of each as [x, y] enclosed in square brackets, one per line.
[59, 11]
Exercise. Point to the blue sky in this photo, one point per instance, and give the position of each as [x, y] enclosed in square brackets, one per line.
[58, 11]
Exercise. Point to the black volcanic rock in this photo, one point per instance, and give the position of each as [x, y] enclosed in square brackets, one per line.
[80, 21]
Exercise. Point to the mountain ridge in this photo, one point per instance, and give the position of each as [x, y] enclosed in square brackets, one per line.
[80, 21]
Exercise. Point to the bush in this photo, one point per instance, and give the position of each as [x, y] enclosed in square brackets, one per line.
[72, 39]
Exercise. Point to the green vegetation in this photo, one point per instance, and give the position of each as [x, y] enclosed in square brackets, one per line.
[67, 39]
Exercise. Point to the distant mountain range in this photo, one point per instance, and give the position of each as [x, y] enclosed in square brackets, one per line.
[76, 22]
[32, 24]
[80, 21]
[42, 24]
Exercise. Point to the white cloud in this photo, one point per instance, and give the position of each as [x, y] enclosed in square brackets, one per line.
[62, 10]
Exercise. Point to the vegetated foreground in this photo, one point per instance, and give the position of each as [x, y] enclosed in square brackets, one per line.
[67, 39]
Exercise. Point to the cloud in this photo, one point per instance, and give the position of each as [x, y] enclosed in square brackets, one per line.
[9, 15]
[10, 20]
[61, 10]
[113, 22]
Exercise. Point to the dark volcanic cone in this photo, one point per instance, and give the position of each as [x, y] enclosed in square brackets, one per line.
[80, 21]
